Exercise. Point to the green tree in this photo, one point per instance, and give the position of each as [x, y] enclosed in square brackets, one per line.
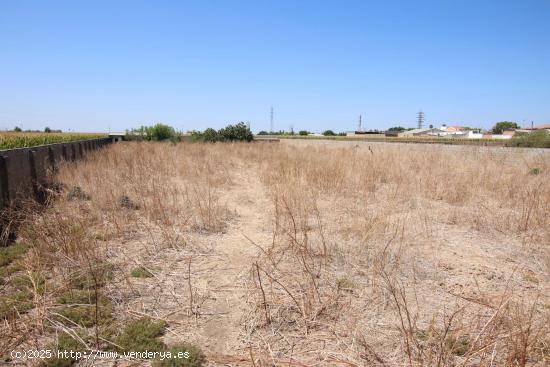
[17, 129]
[503, 125]
[396, 128]
[161, 132]
[237, 132]
[303, 132]
[47, 130]
[329, 133]
[263, 132]
[210, 135]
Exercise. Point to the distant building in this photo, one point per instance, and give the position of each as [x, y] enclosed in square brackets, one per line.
[423, 132]
[452, 129]
[539, 127]
[116, 137]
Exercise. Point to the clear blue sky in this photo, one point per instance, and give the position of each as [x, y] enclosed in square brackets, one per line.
[94, 65]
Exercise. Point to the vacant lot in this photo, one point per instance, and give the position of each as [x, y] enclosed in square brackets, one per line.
[292, 254]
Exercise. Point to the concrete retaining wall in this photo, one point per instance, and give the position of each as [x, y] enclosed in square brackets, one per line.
[24, 171]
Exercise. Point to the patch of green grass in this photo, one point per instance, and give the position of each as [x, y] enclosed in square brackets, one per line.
[422, 335]
[189, 356]
[459, 345]
[10, 253]
[6, 271]
[142, 335]
[142, 272]
[530, 276]
[345, 283]
[81, 308]
[88, 280]
[30, 281]
[67, 344]
[19, 302]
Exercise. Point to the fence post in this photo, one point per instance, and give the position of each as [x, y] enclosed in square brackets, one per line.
[4, 188]
[34, 176]
[51, 158]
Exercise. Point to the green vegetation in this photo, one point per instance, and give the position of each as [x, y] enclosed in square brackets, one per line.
[157, 132]
[65, 343]
[12, 140]
[141, 272]
[303, 132]
[503, 125]
[142, 335]
[329, 133]
[16, 303]
[237, 132]
[536, 139]
[10, 253]
[193, 357]
[81, 306]
[19, 300]
[97, 277]
[397, 128]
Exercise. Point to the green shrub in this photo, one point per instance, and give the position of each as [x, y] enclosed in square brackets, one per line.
[536, 139]
[102, 273]
[65, 343]
[81, 306]
[303, 132]
[157, 132]
[210, 135]
[142, 335]
[161, 132]
[193, 357]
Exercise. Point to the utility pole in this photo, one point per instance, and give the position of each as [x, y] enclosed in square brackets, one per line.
[271, 122]
[420, 119]
[360, 127]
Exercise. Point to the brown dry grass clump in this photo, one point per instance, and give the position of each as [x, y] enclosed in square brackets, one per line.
[295, 253]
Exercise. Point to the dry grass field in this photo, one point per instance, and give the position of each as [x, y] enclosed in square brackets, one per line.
[298, 253]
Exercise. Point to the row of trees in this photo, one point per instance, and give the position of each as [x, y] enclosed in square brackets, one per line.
[17, 129]
[301, 132]
[162, 132]
[237, 132]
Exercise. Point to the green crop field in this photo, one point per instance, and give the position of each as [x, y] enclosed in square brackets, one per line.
[12, 140]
